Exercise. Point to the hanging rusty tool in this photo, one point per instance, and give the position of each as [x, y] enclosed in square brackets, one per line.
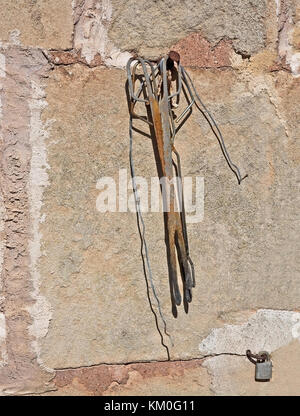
[155, 91]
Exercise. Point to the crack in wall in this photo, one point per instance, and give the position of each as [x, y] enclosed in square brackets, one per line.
[182, 360]
[71, 57]
[24, 176]
[108, 379]
[265, 330]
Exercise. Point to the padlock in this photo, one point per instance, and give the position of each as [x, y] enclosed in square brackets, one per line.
[263, 367]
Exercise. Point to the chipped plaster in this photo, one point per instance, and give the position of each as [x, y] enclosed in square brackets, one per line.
[286, 28]
[38, 179]
[266, 329]
[91, 33]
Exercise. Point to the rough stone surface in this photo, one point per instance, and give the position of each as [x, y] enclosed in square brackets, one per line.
[22, 72]
[74, 309]
[73, 57]
[2, 240]
[77, 249]
[241, 250]
[37, 23]
[220, 375]
[144, 379]
[92, 19]
[288, 13]
[196, 51]
[149, 27]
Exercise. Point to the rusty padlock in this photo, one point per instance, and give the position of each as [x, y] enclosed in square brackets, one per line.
[263, 365]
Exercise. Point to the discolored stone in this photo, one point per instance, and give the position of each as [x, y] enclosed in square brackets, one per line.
[37, 23]
[149, 28]
[147, 379]
[196, 51]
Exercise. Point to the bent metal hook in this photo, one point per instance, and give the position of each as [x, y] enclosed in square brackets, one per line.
[156, 80]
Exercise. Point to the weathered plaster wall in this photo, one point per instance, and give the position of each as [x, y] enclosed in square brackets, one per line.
[23, 70]
[74, 312]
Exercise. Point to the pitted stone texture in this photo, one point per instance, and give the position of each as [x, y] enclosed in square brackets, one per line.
[92, 19]
[22, 73]
[144, 379]
[196, 51]
[2, 247]
[244, 251]
[88, 255]
[149, 28]
[38, 23]
[288, 12]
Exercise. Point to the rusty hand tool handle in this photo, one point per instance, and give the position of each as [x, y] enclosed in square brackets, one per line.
[159, 105]
[175, 238]
[170, 212]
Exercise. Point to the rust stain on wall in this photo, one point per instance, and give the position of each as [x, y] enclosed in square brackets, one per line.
[109, 379]
[73, 57]
[196, 51]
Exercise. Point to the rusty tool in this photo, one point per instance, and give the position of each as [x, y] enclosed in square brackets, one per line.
[174, 224]
[155, 91]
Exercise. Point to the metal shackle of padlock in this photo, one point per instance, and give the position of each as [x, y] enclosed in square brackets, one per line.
[263, 365]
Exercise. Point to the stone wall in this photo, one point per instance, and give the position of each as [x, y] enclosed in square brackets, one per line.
[74, 311]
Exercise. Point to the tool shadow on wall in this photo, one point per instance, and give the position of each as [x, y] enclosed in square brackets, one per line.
[153, 86]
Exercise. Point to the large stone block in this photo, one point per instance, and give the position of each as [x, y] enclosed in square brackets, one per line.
[244, 251]
[37, 23]
[149, 27]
